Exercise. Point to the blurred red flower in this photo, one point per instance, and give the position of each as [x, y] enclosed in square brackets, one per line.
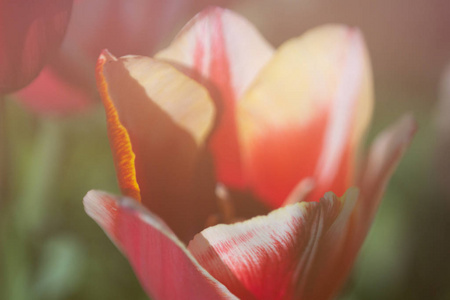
[30, 32]
[132, 26]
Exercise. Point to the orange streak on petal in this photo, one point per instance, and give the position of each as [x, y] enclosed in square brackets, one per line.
[123, 154]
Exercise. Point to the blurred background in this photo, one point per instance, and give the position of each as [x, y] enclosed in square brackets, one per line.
[55, 149]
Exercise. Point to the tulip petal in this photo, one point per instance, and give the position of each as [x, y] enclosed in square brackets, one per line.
[224, 52]
[306, 113]
[158, 120]
[383, 158]
[300, 191]
[123, 27]
[49, 94]
[162, 264]
[273, 256]
[30, 31]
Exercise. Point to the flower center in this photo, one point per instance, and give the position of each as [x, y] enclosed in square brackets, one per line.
[234, 206]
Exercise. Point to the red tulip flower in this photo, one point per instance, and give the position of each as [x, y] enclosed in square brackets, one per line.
[229, 156]
[30, 32]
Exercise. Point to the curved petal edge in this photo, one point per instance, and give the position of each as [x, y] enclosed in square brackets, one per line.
[161, 262]
[276, 256]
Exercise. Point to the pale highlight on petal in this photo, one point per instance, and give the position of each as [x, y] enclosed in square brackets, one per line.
[158, 121]
[353, 100]
[274, 256]
[162, 264]
[185, 101]
[306, 113]
[220, 34]
[224, 52]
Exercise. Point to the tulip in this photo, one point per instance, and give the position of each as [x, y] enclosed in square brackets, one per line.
[30, 32]
[226, 152]
[50, 94]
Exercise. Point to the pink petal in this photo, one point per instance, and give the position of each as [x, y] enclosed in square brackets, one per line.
[49, 94]
[305, 114]
[30, 32]
[383, 158]
[162, 264]
[224, 52]
[123, 27]
[300, 192]
[274, 256]
[158, 120]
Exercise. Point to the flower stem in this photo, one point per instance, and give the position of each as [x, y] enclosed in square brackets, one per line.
[4, 154]
[26, 216]
[39, 182]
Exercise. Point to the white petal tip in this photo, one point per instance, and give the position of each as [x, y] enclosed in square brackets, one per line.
[106, 56]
